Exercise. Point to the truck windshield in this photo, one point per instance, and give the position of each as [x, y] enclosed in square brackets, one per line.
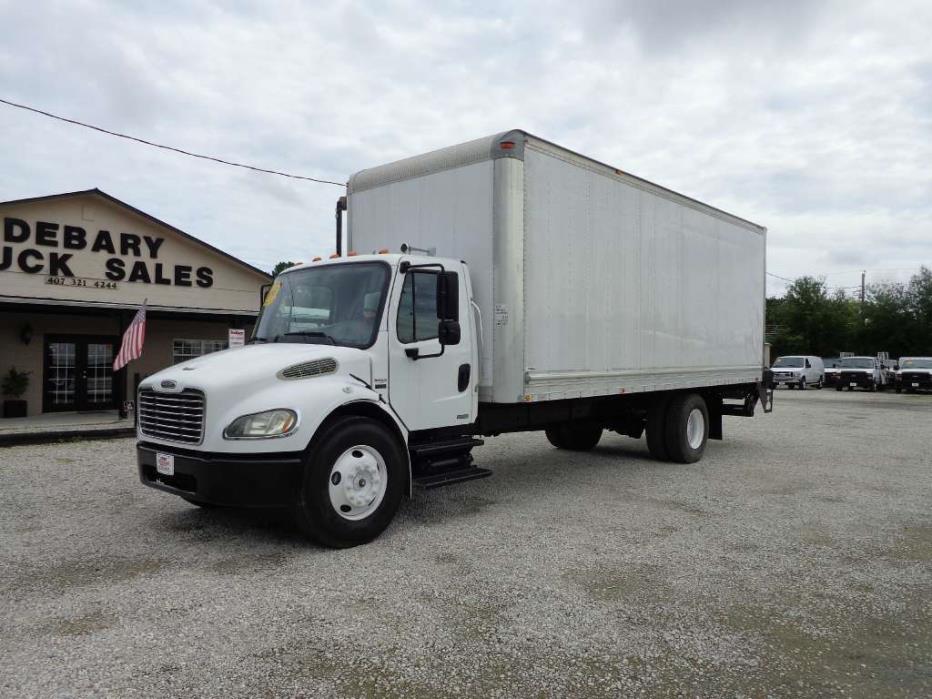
[794, 362]
[916, 363]
[333, 304]
[857, 363]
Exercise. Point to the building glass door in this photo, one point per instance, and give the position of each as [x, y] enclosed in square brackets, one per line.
[79, 373]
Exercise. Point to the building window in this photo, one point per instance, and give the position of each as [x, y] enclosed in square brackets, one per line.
[183, 350]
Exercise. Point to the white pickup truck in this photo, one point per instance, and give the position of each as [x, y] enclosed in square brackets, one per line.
[861, 372]
[914, 374]
[508, 285]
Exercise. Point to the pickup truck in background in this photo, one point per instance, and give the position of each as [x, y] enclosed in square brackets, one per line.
[503, 285]
[914, 374]
[862, 372]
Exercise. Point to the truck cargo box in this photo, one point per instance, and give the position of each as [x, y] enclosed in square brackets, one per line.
[588, 281]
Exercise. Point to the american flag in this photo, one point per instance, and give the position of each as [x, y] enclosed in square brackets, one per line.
[133, 338]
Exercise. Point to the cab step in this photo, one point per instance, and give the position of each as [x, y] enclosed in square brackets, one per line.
[429, 450]
[461, 475]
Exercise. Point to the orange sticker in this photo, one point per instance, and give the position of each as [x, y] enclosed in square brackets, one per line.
[273, 293]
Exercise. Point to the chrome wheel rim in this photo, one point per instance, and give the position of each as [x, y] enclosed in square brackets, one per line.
[358, 481]
[695, 428]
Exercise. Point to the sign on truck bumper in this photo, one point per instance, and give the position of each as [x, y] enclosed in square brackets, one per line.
[260, 480]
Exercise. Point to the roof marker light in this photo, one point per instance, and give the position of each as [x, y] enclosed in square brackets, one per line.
[383, 251]
[352, 253]
[334, 256]
[506, 145]
[316, 259]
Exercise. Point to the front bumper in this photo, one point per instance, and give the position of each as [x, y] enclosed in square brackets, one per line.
[254, 480]
[915, 381]
[831, 379]
[783, 380]
[856, 380]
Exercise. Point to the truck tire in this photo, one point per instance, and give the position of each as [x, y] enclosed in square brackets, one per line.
[657, 428]
[687, 429]
[838, 387]
[802, 384]
[354, 479]
[574, 436]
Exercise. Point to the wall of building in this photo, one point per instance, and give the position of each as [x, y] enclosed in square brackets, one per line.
[157, 351]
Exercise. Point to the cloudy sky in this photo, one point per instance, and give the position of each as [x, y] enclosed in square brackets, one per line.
[812, 118]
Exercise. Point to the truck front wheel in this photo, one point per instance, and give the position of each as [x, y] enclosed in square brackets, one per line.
[574, 436]
[354, 479]
[687, 428]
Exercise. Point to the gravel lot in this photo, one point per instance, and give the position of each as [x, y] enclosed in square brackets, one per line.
[795, 559]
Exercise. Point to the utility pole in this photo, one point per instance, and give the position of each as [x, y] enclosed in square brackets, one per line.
[863, 275]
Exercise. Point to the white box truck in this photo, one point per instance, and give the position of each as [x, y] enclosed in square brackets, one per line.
[505, 284]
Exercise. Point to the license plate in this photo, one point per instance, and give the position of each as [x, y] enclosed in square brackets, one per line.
[853, 383]
[165, 464]
[915, 384]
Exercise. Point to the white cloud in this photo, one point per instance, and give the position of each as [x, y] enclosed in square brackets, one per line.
[812, 118]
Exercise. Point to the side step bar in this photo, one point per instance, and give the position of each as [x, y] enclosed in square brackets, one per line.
[453, 446]
[437, 480]
[437, 464]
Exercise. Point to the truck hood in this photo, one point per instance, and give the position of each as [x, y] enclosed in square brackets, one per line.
[255, 364]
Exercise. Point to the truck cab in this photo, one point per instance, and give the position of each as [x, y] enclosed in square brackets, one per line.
[914, 374]
[316, 372]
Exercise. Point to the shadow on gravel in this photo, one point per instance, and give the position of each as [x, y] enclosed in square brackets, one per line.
[253, 526]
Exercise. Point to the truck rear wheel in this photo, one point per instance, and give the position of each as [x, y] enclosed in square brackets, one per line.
[574, 436]
[354, 479]
[687, 428]
[657, 428]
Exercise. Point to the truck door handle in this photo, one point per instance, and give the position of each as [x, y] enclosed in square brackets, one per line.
[462, 381]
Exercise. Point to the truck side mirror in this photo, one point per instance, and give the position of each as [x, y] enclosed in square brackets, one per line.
[448, 299]
[263, 292]
[448, 332]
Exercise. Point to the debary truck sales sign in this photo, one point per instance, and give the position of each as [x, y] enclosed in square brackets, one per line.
[90, 247]
[52, 245]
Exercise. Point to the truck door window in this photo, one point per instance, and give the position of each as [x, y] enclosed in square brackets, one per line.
[417, 307]
[808, 364]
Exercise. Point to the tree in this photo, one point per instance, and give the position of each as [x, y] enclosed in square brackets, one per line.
[281, 267]
[894, 317]
[919, 298]
[810, 321]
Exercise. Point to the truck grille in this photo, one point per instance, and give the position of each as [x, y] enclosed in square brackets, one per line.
[177, 417]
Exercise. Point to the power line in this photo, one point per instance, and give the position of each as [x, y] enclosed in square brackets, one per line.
[168, 148]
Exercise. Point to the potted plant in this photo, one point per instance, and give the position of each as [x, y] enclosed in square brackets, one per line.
[14, 385]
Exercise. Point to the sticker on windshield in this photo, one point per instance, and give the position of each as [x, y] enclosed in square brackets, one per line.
[273, 292]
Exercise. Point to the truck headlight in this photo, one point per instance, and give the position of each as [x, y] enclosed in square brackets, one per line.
[270, 423]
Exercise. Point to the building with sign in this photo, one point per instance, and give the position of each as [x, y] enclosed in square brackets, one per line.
[75, 268]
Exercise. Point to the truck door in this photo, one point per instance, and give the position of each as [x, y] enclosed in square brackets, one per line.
[429, 391]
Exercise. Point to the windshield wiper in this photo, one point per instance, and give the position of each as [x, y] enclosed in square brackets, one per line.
[307, 333]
